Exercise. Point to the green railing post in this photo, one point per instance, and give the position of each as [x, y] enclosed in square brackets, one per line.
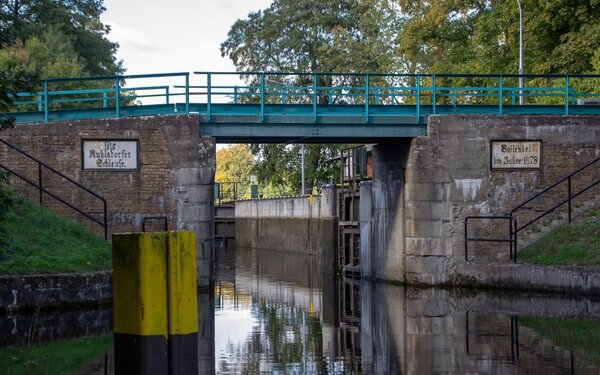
[118, 96]
[433, 94]
[208, 96]
[418, 113]
[315, 99]
[167, 95]
[376, 96]
[235, 95]
[40, 102]
[105, 99]
[566, 94]
[187, 93]
[366, 98]
[46, 100]
[262, 97]
[500, 93]
[393, 94]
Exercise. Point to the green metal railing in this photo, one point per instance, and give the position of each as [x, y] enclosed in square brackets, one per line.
[265, 93]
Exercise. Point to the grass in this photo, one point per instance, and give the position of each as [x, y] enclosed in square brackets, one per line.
[580, 336]
[42, 242]
[59, 357]
[572, 244]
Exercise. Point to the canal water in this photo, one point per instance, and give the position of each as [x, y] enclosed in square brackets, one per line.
[272, 312]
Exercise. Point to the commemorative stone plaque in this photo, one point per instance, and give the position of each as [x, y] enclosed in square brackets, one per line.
[112, 155]
[516, 154]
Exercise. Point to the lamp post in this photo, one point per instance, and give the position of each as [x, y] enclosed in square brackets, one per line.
[520, 53]
[303, 187]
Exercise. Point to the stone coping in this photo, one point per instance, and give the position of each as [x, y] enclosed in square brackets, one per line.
[26, 292]
[571, 279]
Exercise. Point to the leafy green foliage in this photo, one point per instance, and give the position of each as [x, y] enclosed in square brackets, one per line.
[7, 203]
[77, 21]
[575, 244]
[42, 242]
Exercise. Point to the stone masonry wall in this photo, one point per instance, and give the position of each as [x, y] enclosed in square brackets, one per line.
[174, 179]
[448, 177]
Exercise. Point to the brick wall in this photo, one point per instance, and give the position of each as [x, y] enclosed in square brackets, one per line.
[174, 179]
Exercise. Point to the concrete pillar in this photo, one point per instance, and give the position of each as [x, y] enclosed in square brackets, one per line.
[365, 217]
[329, 201]
[387, 241]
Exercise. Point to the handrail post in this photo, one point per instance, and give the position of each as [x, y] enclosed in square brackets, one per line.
[208, 96]
[569, 203]
[167, 95]
[187, 93]
[118, 97]
[516, 234]
[366, 99]
[500, 93]
[433, 94]
[566, 94]
[235, 94]
[45, 100]
[262, 97]
[105, 221]
[40, 182]
[466, 240]
[315, 98]
[104, 99]
[418, 102]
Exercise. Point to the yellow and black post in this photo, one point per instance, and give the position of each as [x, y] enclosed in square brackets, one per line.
[155, 303]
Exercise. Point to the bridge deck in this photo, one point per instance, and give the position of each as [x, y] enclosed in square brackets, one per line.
[349, 108]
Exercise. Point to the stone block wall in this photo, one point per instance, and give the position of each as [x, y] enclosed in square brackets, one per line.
[448, 177]
[174, 179]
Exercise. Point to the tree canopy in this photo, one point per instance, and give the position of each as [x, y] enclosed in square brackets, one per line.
[406, 36]
[62, 37]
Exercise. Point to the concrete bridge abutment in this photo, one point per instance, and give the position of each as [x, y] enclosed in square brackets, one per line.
[174, 175]
[413, 211]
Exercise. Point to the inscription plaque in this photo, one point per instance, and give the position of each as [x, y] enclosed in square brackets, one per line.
[516, 154]
[111, 155]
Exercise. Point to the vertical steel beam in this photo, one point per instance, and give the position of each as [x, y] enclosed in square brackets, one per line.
[566, 94]
[262, 97]
[187, 93]
[433, 94]
[315, 98]
[500, 94]
[208, 96]
[46, 100]
[118, 96]
[366, 98]
[418, 102]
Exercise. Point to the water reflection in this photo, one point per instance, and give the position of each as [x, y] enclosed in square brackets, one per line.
[272, 312]
[277, 313]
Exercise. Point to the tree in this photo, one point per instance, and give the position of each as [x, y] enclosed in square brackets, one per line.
[234, 164]
[305, 36]
[76, 21]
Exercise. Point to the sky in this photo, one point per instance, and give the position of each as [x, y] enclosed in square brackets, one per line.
[160, 36]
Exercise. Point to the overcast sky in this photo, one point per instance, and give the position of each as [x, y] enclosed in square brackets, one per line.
[160, 36]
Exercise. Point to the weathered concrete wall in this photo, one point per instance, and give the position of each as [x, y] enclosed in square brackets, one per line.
[174, 179]
[324, 205]
[30, 292]
[447, 176]
[290, 225]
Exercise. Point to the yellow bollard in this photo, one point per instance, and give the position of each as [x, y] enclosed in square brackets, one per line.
[154, 303]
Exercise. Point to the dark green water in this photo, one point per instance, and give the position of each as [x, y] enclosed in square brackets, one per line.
[272, 312]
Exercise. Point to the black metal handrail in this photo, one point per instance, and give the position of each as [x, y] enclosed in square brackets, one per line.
[513, 233]
[39, 186]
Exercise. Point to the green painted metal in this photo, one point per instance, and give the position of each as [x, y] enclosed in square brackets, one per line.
[359, 106]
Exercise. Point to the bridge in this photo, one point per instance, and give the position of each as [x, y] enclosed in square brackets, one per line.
[311, 107]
